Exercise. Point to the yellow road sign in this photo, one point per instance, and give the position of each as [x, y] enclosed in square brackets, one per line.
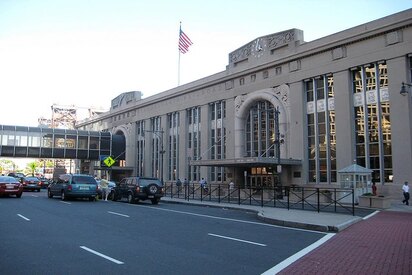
[109, 161]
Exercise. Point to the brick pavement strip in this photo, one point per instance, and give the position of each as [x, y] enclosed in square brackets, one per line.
[381, 244]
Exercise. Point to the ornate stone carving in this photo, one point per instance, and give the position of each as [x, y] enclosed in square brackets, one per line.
[282, 93]
[280, 39]
[239, 101]
[241, 53]
[258, 46]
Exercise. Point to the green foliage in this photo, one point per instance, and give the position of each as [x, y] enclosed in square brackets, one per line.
[7, 165]
[32, 167]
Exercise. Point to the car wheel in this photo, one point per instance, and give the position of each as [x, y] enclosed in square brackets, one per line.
[152, 189]
[63, 196]
[38, 190]
[114, 198]
[49, 194]
[130, 198]
[111, 196]
[155, 201]
[92, 199]
[19, 195]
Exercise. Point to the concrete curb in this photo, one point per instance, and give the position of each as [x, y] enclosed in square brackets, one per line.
[310, 226]
[272, 220]
[293, 224]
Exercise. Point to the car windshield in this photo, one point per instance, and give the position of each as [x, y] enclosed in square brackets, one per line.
[146, 182]
[31, 178]
[8, 179]
[83, 180]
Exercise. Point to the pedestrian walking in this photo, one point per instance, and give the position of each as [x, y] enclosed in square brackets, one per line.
[374, 189]
[203, 185]
[231, 185]
[186, 186]
[405, 189]
[104, 185]
[178, 183]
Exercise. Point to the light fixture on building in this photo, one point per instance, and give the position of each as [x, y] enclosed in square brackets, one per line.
[404, 89]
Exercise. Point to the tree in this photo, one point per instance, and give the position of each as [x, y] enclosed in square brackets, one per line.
[7, 165]
[32, 167]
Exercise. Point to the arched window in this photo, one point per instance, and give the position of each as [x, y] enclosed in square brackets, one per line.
[260, 130]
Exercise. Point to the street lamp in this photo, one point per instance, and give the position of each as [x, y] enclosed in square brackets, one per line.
[162, 151]
[405, 88]
[278, 142]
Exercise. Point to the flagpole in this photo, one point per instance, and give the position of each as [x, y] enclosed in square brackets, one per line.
[178, 65]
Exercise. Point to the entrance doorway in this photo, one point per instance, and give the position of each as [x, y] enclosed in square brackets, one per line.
[257, 181]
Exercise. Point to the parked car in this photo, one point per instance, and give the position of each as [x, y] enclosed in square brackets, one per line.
[10, 186]
[31, 184]
[139, 188]
[73, 186]
[44, 182]
[112, 185]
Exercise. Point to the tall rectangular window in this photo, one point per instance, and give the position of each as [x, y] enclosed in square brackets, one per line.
[193, 142]
[140, 147]
[217, 140]
[372, 118]
[321, 129]
[157, 147]
[173, 146]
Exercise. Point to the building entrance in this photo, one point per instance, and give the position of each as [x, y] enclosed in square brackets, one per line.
[257, 180]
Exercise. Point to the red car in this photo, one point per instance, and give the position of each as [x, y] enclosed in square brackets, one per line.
[10, 186]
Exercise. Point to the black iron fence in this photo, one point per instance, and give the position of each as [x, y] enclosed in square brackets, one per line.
[338, 200]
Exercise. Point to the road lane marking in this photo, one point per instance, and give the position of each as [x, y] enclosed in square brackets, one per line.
[228, 219]
[101, 255]
[234, 239]
[34, 196]
[282, 265]
[23, 217]
[65, 202]
[114, 213]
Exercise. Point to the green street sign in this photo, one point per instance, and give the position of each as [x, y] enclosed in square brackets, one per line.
[109, 161]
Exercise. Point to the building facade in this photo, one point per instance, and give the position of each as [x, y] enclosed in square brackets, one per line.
[284, 112]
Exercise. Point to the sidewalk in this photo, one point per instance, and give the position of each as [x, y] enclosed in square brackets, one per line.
[380, 243]
[310, 220]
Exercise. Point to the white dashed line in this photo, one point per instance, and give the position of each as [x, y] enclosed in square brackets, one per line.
[101, 255]
[23, 217]
[114, 213]
[234, 239]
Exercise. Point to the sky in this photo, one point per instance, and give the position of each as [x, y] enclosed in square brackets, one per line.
[87, 52]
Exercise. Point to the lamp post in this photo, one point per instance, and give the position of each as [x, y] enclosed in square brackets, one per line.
[278, 142]
[405, 88]
[162, 151]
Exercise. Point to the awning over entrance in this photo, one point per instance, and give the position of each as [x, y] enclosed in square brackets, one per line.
[245, 162]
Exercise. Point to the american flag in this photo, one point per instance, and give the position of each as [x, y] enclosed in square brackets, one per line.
[184, 42]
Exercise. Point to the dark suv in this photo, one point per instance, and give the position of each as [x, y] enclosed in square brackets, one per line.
[73, 186]
[139, 188]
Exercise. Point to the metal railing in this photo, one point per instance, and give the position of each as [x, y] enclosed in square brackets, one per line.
[337, 200]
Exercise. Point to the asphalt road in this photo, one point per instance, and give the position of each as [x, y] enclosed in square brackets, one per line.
[39, 235]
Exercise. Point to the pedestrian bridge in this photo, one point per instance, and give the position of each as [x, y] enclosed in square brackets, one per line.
[38, 142]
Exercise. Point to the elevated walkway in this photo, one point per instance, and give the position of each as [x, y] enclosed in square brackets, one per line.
[37, 142]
